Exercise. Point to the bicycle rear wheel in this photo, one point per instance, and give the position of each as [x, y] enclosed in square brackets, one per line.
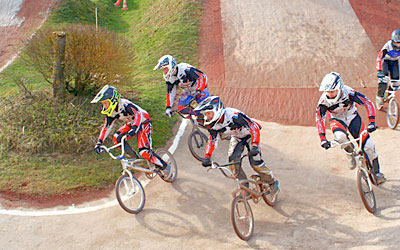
[392, 115]
[197, 144]
[130, 194]
[170, 160]
[366, 192]
[242, 218]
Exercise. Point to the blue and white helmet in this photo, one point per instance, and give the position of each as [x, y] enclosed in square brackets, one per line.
[214, 104]
[396, 39]
[332, 82]
[166, 61]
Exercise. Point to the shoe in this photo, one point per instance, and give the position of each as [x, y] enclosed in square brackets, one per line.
[351, 162]
[379, 103]
[274, 189]
[380, 178]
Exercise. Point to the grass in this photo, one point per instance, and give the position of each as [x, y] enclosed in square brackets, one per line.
[155, 27]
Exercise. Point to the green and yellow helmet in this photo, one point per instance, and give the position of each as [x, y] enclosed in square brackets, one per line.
[110, 94]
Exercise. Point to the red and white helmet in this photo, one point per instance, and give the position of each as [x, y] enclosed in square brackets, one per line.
[214, 104]
[332, 82]
[166, 61]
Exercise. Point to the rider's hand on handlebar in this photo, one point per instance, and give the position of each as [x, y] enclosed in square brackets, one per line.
[198, 93]
[206, 162]
[168, 112]
[372, 127]
[325, 144]
[97, 148]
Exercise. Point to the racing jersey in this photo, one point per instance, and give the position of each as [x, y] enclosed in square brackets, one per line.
[188, 78]
[388, 52]
[236, 124]
[344, 109]
[128, 112]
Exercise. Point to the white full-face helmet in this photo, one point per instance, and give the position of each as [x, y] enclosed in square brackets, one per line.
[214, 104]
[332, 82]
[166, 61]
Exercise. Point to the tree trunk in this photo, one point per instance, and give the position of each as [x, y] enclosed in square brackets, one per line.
[59, 90]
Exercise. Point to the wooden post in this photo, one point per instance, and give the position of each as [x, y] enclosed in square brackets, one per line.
[59, 90]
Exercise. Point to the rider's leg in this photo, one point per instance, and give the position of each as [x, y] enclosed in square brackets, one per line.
[394, 70]
[124, 129]
[339, 129]
[236, 147]
[382, 85]
[204, 95]
[183, 102]
[144, 140]
[356, 126]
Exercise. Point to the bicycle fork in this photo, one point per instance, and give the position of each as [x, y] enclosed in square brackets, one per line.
[367, 174]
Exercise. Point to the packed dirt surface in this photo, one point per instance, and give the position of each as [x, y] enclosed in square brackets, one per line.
[268, 57]
[12, 38]
[319, 205]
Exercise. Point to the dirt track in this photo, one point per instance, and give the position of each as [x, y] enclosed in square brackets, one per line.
[319, 206]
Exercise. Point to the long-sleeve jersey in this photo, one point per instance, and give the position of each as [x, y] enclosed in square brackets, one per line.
[235, 123]
[388, 52]
[128, 112]
[188, 78]
[343, 109]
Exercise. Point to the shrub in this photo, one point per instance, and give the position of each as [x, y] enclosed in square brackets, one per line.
[92, 58]
[39, 124]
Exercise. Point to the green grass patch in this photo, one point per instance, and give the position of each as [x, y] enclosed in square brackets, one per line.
[155, 28]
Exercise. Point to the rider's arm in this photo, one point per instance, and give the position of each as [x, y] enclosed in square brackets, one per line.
[241, 120]
[171, 92]
[136, 118]
[382, 53]
[320, 120]
[212, 143]
[197, 77]
[107, 127]
[363, 100]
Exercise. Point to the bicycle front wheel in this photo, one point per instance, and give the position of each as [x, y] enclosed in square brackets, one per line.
[242, 218]
[366, 191]
[130, 194]
[166, 156]
[392, 115]
[197, 144]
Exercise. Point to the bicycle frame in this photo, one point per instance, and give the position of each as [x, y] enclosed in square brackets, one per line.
[359, 153]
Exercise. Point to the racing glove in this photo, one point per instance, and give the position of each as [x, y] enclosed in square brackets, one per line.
[206, 162]
[325, 144]
[371, 127]
[97, 148]
[168, 112]
[254, 151]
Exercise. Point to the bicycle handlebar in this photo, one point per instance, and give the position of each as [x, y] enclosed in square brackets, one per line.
[391, 82]
[121, 144]
[215, 165]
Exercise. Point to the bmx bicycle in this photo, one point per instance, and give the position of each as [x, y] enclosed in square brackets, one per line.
[129, 191]
[392, 115]
[365, 174]
[241, 214]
